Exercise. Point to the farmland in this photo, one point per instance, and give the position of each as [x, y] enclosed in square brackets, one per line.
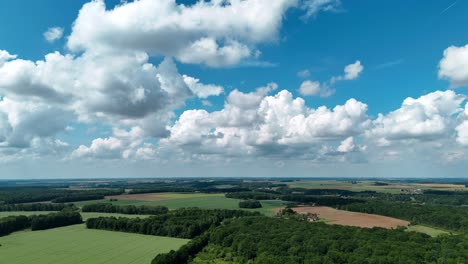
[184, 200]
[340, 217]
[76, 244]
[387, 187]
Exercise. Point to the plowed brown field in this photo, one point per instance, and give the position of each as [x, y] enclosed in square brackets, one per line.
[341, 217]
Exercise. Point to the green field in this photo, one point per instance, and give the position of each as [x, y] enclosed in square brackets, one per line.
[433, 232]
[201, 200]
[78, 245]
[393, 187]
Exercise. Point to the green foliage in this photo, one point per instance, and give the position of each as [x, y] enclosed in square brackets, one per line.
[271, 241]
[446, 217]
[128, 209]
[250, 204]
[34, 207]
[182, 223]
[182, 255]
[11, 224]
[31, 195]
[42, 222]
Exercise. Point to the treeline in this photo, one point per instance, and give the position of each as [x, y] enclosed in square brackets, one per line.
[127, 209]
[446, 217]
[32, 195]
[250, 204]
[298, 198]
[66, 218]
[34, 207]
[38, 222]
[181, 223]
[184, 254]
[12, 224]
[263, 240]
[187, 190]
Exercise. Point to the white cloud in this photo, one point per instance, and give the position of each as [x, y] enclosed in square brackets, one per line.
[5, 56]
[202, 90]
[462, 133]
[53, 34]
[304, 73]
[216, 33]
[429, 117]
[313, 7]
[109, 148]
[255, 124]
[454, 66]
[351, 72]
[309, 88]
[347, 145]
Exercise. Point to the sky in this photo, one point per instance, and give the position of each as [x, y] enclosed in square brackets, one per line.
[233, 88]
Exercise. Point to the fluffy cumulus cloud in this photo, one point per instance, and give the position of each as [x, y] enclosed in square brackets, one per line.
[258, 124]
[429, 117]
[53, 34]
[351, 72]
[200, 89]
[454, 66]
[215, 33]
[309, 88]
[325, 89]
[40, 99]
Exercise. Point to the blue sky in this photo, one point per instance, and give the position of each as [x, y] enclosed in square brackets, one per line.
[119, 95]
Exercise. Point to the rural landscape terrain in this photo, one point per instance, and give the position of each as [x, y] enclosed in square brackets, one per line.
[233, 132]
[234, 221]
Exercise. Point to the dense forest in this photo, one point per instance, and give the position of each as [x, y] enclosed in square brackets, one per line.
[446, 217]
[270, 241]
[52, 220]
[181, 223]
[127, 209]
[30, 195]
[250, 204]
[34, 207]
[12, 224]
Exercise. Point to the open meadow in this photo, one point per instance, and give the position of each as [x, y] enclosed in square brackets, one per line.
[78, 245]
[185, 200]
[387, 187]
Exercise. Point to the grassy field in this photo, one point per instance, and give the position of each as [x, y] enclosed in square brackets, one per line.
[394, 188]
[433, 232]
[78, 245]
[184, 200]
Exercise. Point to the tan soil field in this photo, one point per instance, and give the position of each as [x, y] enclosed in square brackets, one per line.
[340, 217]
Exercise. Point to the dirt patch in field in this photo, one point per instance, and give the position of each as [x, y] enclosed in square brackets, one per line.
[340, 217]
[150, 197]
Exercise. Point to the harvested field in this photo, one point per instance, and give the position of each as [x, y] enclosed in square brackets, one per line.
[341, 217]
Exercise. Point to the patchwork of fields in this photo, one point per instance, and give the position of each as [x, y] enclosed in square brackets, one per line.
[184, 200]
[76, 244]
[394, 188]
